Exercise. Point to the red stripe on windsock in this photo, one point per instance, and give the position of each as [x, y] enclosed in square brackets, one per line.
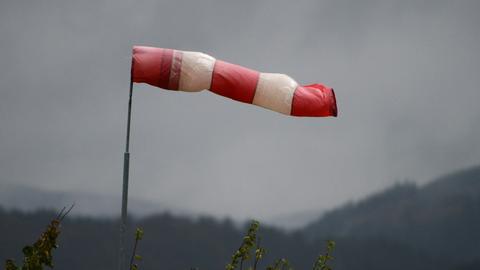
[165, 67]
[314, 100]
[233, 81]
[175, 70]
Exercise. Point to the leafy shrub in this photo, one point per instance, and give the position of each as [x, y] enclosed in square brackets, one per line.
[41, 252]
[252, 242]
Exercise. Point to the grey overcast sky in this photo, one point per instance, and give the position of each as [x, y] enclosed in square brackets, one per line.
[406, 74]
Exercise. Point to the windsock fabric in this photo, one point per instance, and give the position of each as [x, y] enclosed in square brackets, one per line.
[194, 71]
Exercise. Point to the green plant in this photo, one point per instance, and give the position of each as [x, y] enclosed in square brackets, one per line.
[41, 252]
[280, 264]
[259, 252]
[252, 241]
[135, 256]
[243, 252]
[322, 260]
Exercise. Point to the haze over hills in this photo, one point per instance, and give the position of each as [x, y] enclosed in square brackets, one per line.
[95, 205]
[295, 221]
[18, 197]
[405, 227]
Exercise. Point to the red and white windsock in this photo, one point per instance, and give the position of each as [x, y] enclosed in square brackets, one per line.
[195, 71]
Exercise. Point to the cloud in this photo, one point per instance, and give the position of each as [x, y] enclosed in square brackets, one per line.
[404, 73]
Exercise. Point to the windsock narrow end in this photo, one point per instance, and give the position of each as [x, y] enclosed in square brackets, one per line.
[314, 100]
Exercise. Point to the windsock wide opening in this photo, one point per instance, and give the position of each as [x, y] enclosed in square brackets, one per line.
[334, 105]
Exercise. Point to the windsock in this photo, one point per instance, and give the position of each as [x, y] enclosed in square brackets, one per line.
[195, 71]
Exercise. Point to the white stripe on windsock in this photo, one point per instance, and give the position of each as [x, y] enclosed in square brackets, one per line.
[196, 74]
[275, 92]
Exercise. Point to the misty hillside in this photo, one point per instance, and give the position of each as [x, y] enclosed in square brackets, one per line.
[405, 227]
[91, 204]
[25, 198]
[181, 243]
[441, 219]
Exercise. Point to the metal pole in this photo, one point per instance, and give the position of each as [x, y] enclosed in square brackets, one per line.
[126, 167]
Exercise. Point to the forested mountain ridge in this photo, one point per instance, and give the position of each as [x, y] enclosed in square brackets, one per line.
[441, 219]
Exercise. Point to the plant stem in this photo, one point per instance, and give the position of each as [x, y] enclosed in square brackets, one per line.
[133, 253]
